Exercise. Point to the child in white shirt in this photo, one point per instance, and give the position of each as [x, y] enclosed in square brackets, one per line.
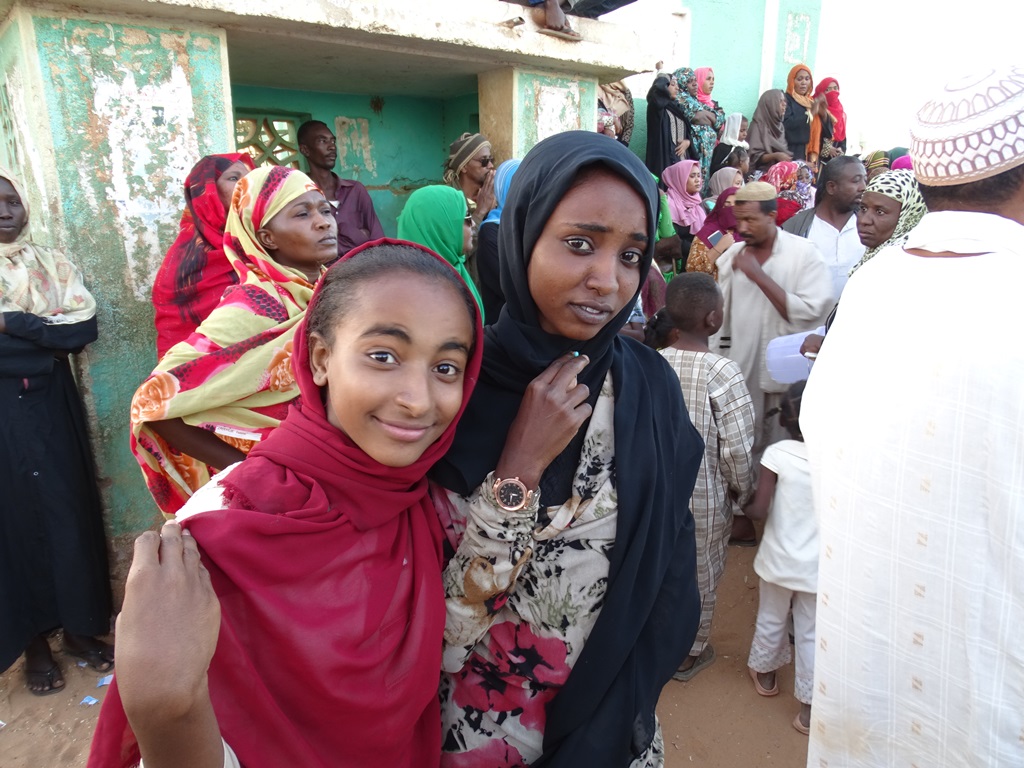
[787, 562]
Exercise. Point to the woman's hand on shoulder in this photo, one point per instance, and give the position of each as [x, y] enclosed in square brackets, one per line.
[553, 409]
[167, 630]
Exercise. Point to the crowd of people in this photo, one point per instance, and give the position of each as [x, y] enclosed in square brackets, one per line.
[440, 482]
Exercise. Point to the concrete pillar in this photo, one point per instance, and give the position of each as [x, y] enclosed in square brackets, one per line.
[520, 107]
[110, 114]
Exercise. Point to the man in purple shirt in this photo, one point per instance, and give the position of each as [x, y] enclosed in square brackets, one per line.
[353, 209]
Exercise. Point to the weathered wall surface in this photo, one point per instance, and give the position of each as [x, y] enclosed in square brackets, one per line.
[727, 36]
[797, 41]
[392, 144]
[550, 104]
[131, 108]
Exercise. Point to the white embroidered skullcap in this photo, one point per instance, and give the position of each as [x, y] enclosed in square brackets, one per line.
[973, 130]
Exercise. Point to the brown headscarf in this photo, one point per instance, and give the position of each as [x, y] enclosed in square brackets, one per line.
[766, 134]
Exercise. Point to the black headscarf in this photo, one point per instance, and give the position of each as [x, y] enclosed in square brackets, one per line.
[661, 107]
[604, 715]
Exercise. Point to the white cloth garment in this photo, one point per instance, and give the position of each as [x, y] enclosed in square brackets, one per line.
[841, 249]
[914, 422]
[751, 321]
[788, 555]
[770, 648]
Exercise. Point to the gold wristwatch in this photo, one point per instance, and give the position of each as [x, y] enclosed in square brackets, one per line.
[512, 494]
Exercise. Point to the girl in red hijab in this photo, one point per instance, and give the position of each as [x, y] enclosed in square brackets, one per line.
[195, 270]
[296, 615]
[829, 88]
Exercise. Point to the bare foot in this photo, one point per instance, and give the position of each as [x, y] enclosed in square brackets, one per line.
[555, 22]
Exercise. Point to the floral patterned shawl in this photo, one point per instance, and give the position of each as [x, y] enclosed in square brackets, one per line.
[233, 375]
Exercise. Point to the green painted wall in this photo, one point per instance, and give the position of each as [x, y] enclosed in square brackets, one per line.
[131, 109]
[460, 114]
[727, 36]
[394, 149]
[797, 41]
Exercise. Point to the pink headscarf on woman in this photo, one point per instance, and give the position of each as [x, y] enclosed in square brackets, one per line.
[701, 73]
[686, 209]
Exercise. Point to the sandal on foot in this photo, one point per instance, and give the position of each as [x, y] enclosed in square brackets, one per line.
[705, 659]
[804, 729]
[99, 659]
[46, 682]
[761, 690]
[565, 32]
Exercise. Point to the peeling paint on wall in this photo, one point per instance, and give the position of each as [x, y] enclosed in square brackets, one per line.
[798, 38]
[354, 137]
[550, 104]
[152, 147]
[126, 111]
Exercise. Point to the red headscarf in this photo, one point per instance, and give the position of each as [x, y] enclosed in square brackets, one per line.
[701, 74]
[195, 271]
[328, 569]
[835, 108]
[721, 219]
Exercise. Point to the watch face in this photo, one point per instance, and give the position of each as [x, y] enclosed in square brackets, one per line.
[510, 494]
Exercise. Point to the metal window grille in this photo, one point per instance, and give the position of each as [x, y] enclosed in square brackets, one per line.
[269, 138]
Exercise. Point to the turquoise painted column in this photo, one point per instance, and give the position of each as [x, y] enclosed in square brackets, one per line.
[129, 108]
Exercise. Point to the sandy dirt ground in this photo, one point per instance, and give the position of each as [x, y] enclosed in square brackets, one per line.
[714, 721]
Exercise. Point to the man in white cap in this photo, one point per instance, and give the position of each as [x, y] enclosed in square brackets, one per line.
[914, 422]
[774, 284]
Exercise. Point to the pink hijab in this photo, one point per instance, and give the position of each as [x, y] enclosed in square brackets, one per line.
[686, 209]
[701, 74]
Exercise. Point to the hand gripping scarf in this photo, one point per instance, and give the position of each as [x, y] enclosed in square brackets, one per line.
[328, 569]
[233, 375]
[902, 187]
[195, 272]
[835, 108]
[605, 712]
[814, 142]
[39, 280]
[435, 216]
[686, 208]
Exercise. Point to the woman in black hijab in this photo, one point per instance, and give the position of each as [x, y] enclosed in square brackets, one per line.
[572, 594]
[668, 129]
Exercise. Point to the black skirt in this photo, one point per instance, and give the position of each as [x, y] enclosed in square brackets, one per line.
[53, 557]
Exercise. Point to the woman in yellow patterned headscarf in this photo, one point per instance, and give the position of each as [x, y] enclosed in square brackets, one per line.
[222, 390]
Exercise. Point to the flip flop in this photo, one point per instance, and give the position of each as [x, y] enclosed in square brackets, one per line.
[761, 690]
[48, 677]
[94, 657]
[565, 33]
[705, 659]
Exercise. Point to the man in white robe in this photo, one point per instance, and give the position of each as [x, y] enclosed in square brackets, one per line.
[914, 422]
[774, 284]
